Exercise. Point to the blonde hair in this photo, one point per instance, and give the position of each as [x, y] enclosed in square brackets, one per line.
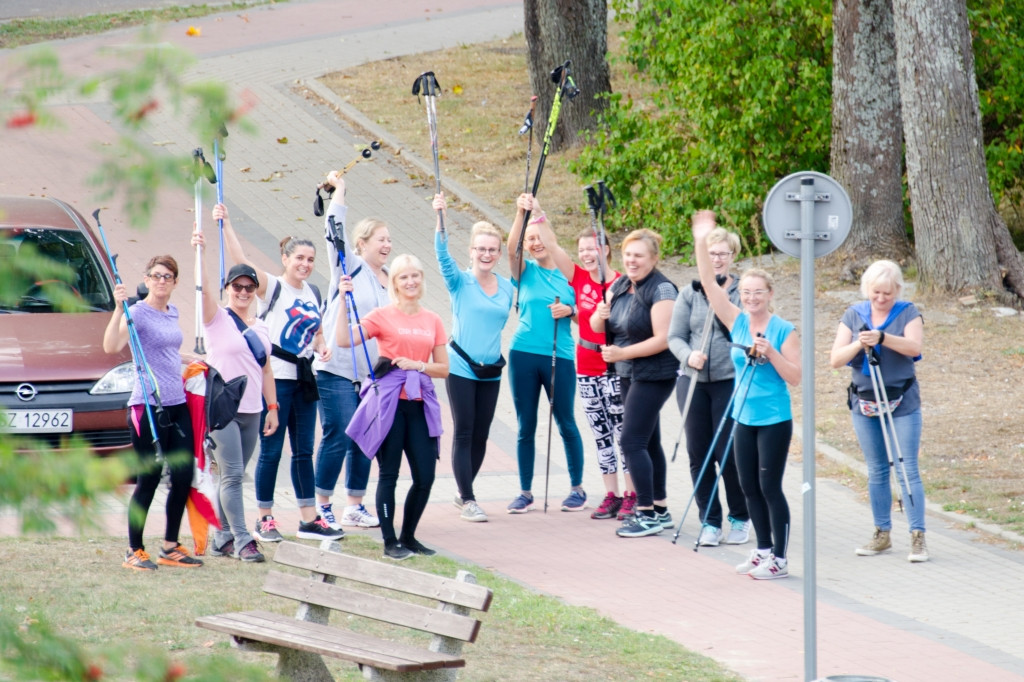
[719, 235]
[652, 238]
[485, 228]
[763, 274]
[881, 271]
[401, 263]
[364, 229]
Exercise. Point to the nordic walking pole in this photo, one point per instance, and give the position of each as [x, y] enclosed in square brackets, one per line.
[338, 237]
[567, 88]
[705, 344]
[218, 160]
[318, 201]
[427, 83]
[528, 129]
[201, 169]
[142, 370]
[551, 408]
[882, 400]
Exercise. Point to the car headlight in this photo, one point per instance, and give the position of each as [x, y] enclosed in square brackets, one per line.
[121, 379]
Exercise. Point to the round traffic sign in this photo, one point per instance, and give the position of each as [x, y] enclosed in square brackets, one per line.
[830, 220]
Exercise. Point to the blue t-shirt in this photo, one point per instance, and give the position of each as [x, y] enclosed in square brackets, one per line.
[537, 290]
[767, 401]
[477, 318]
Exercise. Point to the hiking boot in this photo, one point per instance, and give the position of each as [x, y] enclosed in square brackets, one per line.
[770, 569]
[357, 515]
[417, 547]
[756, 558]
[609, 507]
[710, 536]
[628, 508]
[520, 505]
[138, 561]
[577, 501]
[639, 526]
[471, 511]
[739, 532]
[395, 551]
[918, 549]
[178, 556]
[317, 529]
[665, 519]
[227, 549]
[880, 542]
[266, 530]
[457, 501]
[327, 514]
[251, 553]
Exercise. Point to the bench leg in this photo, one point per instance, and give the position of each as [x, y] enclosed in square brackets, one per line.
[443, 675]
[302, 666]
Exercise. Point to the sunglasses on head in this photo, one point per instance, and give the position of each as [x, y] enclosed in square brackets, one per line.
[248, 288]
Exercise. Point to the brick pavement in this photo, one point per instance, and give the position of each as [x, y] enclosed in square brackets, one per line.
[954, 618]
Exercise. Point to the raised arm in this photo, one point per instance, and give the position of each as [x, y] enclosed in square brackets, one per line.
[514, 259]
[234, 246]
[445, 261]
[718, 297]
[547, 237]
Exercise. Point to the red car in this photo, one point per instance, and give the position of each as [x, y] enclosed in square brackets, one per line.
[55, 379]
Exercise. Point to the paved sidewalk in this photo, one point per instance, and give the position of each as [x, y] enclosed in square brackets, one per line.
[953, 618]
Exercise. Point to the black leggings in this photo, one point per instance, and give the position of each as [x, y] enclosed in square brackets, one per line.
[472, 404]
[761, 453]
[174, 430]
[409, 432]
[641, 437]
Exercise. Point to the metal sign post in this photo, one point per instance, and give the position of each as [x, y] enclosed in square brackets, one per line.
[808, 215]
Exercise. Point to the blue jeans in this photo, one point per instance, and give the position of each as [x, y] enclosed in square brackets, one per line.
[908, 433]
[338, 402]
[528, 373]
[298, 416]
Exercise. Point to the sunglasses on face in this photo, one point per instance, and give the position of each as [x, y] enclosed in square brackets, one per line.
[248, 288]
[165, 276]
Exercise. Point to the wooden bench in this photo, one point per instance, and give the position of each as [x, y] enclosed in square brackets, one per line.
[302, 641]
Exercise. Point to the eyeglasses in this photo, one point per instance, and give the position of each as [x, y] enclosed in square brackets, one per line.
[165, 276]
[719, 255]
[248, 288]
[483, 250]
[754, 293]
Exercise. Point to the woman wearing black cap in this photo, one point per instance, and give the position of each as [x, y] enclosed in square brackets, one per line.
[238, 345]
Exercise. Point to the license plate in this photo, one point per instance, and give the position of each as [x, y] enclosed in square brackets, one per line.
[35, 421]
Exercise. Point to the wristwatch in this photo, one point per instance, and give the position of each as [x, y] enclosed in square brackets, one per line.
[423, 367]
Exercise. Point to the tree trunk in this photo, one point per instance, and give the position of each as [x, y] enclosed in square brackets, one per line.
[867, 131]
[962, 242]
[575, 30]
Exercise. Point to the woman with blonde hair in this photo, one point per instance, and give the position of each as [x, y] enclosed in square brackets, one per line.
[481, 300]
[400, 411]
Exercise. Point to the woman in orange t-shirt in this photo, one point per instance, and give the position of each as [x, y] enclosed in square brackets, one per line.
[403, 399]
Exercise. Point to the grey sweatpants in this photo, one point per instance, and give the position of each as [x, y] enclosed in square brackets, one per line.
[235, 444]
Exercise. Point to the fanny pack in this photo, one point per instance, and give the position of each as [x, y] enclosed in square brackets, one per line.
[868, 406]
[482, 371]
[590, 345]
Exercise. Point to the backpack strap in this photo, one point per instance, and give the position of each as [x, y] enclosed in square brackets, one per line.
[273, 299]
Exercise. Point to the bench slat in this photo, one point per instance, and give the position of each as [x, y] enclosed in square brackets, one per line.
[282, 630]
[397, 578]
[373, 606]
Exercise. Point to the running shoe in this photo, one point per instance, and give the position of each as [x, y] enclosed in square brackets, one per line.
[472, 512]
[251, 553]
[357, 515]
[665, 519]
[417, 547]
[577, 501]
[178, 556]
[138, 560]
[639, 526]
[227, 549]
[739, 532]
[520, 505]
[317, 529]
[628, 508]
[756, 558]
[770, 569]
[266, 530]
[609, 507]
[327, 514]
[710, 536]
[396, 552]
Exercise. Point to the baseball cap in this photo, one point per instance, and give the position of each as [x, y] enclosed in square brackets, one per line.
[241, 270]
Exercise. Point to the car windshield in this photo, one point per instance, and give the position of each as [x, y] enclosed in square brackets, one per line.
[88, 282]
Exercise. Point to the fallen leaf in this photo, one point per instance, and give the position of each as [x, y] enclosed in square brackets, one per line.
[245, 170]
[457, 89]
[193, 31]
[282, 140]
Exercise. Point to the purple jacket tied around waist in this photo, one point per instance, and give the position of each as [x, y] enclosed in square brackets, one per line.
[378, 402]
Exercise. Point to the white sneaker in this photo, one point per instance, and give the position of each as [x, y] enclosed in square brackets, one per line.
[358, 515]
[739, 532]
[709, 536]
[756, 558]
[327, 514]
[770, 569]
[471, 511]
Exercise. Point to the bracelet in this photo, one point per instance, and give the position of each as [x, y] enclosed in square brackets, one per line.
[271, 406]
[539, 219]
[423, 367]
[881, 337]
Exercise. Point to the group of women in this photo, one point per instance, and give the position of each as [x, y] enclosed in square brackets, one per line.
[366, 356]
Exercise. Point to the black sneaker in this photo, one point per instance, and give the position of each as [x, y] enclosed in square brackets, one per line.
[227, 549]
[396, 551]
[317, 529]
[251, 553]
[417, 547]
[639, 526]
[266, 530]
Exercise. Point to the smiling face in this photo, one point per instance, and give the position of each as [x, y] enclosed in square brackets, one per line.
[376, 248]
[638, 260]
[755, 294]
[533, 243]
[721, 257]
[409, 284]
[484, 252]
[882, 295]
[298, 264]
[589, 255]
[241, 293]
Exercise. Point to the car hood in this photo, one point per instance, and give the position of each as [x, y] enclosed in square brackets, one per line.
[55, 347]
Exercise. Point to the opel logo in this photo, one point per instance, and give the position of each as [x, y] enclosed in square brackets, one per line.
[26, 392]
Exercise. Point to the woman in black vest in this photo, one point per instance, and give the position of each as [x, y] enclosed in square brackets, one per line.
[638, 313]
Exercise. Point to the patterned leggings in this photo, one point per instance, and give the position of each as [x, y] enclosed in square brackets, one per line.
[602, 403]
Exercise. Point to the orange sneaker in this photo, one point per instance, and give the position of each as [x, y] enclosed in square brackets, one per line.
[178, 556]
[138, 560]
